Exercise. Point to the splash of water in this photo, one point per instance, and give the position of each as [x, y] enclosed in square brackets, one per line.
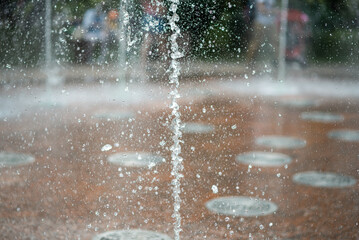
[177, 166]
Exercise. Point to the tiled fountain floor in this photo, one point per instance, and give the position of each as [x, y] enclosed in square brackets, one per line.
[71, 191]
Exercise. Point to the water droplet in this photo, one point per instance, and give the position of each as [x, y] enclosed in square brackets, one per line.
[214, 189]
[106, 147]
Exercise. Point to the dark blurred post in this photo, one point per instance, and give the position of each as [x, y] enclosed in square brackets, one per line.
[282, 40]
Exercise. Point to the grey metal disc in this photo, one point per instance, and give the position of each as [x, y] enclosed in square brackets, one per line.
[197, 128]
[263, 159]
[322, 117]
[345, 135]
[14, 159]
[113, 116]
[282, 142]
[134, 159]
[298, 103]
[135, 234]
[197, 92]
[323, 179]
[241, 206]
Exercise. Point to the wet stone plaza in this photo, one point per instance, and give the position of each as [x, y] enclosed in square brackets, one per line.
[258, 163]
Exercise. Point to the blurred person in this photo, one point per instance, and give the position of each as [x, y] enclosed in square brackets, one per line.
[154, 25]
[94, 26]
[112, 24]
[264, 31]
[76, 34]
[297, 34]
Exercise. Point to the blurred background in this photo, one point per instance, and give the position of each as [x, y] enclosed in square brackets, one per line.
[215, 30]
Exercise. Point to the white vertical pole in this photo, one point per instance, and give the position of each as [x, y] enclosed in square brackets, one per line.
[122, 56]
[282, 41]
[48, 54]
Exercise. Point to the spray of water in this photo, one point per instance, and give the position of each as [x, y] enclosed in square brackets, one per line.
[177, 166]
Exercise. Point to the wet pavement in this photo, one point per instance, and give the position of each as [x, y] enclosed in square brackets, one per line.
[190, 69]
[73, 190]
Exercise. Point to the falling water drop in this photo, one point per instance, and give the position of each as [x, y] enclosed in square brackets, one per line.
[106, 147]
[214, 189]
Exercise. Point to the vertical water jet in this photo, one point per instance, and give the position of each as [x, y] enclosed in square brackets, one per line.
[177, 166]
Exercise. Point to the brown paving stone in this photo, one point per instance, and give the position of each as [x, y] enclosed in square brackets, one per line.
[72, 192]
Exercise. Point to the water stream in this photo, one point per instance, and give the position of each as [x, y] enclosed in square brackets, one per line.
[177, 166]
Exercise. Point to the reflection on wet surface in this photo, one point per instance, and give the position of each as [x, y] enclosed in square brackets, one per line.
[13, 159]
[241, 206]
[130, 159]
[280, 142]
[197, 128]
[323, 179]
[348, 135]
[264, 159]
[322, 117]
